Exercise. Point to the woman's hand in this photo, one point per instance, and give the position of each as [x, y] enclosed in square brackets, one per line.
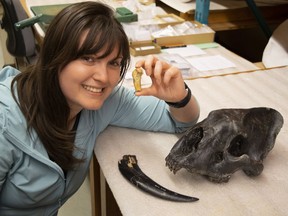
[167, 80]
[168, 85]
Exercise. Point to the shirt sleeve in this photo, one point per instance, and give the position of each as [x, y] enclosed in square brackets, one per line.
[8, 72]
[6, 155]
[144, 113]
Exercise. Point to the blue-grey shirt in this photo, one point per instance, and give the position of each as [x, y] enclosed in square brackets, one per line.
[32, 184]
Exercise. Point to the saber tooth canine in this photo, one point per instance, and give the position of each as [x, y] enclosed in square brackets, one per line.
[129, 168]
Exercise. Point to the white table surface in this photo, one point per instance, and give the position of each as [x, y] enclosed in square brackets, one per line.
[264, 195]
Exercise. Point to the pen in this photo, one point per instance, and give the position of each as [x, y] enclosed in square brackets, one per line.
[173, 46]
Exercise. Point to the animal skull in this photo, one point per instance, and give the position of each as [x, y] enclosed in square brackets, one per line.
[226, 141]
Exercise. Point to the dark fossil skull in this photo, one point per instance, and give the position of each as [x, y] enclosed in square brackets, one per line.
[226, 141]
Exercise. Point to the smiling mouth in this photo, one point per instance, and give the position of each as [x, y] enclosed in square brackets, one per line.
[93, 89]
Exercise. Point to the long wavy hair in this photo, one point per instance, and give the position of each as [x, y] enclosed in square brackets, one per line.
[38, 91]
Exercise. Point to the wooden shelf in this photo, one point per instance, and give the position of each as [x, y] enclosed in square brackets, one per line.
[239, 18]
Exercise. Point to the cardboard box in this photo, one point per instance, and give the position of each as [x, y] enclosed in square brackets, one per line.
[205, 35]
[144, 48]
[146, 2]
[168, 19]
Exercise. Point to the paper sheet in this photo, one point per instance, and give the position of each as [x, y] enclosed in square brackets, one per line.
[189, 50]
[207, 63]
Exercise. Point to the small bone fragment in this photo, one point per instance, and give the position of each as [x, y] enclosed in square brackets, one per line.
[136, 74]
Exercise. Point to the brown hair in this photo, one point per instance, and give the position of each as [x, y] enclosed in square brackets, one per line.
[39, 94]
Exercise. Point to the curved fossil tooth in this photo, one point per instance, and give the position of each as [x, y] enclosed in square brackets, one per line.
[131, 171]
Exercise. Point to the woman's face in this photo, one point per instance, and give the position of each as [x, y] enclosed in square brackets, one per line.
[88, 81]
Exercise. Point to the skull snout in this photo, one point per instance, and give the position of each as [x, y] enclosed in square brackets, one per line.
[186, 145]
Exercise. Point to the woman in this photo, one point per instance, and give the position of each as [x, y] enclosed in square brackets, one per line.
[52, 113]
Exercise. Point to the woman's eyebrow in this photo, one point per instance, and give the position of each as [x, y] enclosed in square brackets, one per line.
[117, 58]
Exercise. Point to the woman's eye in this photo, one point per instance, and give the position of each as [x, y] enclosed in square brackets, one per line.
[115, 63]
[88, 58]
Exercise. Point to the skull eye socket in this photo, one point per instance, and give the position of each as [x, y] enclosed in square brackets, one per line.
[192, 140]
[238, 146]
[218, 157]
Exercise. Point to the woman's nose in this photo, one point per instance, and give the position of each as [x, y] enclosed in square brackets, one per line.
[101, 73]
